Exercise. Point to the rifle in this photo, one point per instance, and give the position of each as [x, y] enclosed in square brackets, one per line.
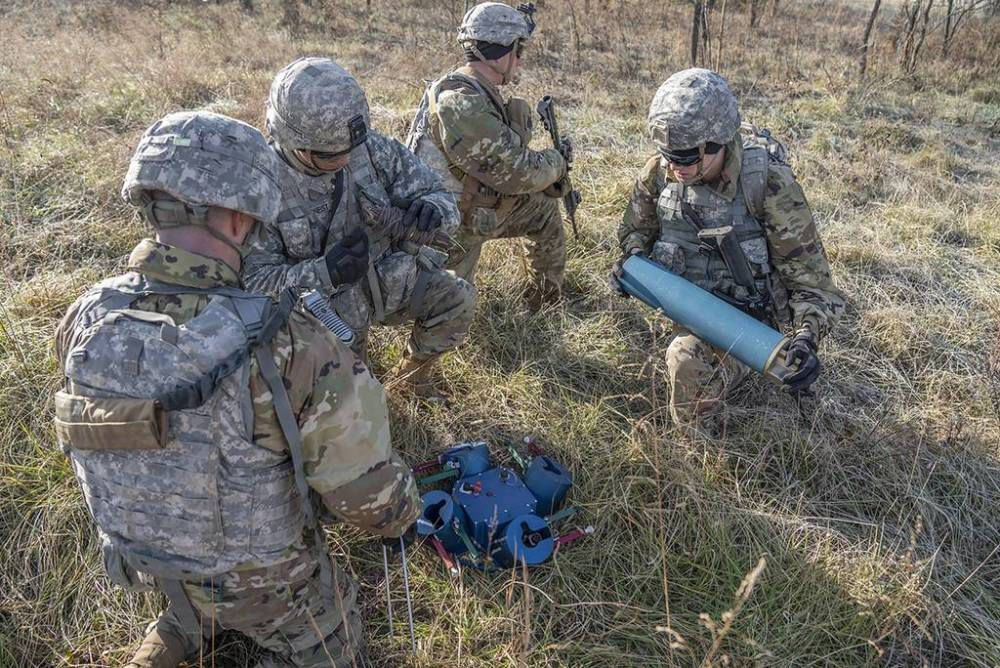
[571, 198]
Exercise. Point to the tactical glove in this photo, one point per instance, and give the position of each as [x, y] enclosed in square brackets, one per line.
[347, 260]
[421, 221]
[566, 148]
[558, 189]
[801, 355]
[616, 271]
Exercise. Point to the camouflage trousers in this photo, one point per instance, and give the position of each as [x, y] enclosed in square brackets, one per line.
[700, 376]
[280, 607]
[441, 316]
[535, 217]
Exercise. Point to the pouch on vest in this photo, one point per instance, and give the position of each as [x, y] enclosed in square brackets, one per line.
[521, 115]
[109, 423]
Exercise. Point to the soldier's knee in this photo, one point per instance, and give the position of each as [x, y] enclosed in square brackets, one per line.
[687, 355]
[451, 299]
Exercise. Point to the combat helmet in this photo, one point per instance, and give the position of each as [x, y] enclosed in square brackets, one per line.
[316, 105]
[189, 161]
[497, 23]
[692, 108]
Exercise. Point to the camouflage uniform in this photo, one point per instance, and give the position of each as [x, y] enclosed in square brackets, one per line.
[404, 282]
[478, 143]
[777, 235]
[349, 463]
[276, 595]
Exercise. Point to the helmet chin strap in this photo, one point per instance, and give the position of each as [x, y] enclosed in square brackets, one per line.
[701, 163]
[167, 213]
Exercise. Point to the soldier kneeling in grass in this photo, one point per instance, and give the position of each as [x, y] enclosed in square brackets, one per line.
[703, 184]
[202, 420]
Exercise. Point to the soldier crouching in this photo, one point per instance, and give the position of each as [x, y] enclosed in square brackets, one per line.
[704, 184]
[358, 214]
[478, 143]
[202, 420]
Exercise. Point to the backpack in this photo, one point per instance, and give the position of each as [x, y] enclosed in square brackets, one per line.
[760, 149]
[158, 422]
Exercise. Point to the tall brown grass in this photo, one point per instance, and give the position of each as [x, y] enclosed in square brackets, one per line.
[874, 506]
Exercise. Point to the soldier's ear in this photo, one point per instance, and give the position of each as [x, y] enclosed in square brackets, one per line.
[243, 224]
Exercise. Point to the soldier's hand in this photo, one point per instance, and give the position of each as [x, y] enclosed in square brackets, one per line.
[421, 221]
[617, 271]
[347, 260]
[557, 189]
[566, 148]
[801, 355]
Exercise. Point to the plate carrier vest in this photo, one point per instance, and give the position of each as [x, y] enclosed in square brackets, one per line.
[157, 420]
[711, 241]
[311, 220]
[424, 139]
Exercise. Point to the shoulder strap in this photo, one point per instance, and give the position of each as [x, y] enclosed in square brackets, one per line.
[418, 126]
[290, 428]
[466, 80]
[262, 322]
[753, 178]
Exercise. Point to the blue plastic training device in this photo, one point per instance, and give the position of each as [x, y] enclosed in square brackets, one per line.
[548, 481]
[438, 519]
[468, 458]
[528, 538]
[708, 317]
[491, 499]
[490, 516]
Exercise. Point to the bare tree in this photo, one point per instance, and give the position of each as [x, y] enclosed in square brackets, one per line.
[956, 13]
[696, 23]
[915, 17]
[865, 42]
[722, 38]
[291, 16]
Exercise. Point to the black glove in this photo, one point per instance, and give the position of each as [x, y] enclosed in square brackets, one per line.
[801, 354]
[566, 148]
[392, 544]
[347, 260]
[421, 221]
[616, 272]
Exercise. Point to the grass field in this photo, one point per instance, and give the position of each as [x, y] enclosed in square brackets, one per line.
[861, 530]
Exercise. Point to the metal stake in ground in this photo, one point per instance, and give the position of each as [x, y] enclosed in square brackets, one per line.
[409, 599]
[388, 591]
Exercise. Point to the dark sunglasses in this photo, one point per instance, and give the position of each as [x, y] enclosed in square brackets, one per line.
[691, 156]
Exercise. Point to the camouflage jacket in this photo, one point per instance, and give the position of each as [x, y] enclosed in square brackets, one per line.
[486, 138]
[794, 247]
[315, 214]
[340, 406]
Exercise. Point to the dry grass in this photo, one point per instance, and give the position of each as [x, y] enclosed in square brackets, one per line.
[875, 506]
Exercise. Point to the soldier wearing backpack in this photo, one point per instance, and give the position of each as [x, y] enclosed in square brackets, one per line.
[704, 185]
[478, 142]
[207, 426]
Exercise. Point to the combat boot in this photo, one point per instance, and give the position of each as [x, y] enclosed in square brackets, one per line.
[161, 648]
[416, 373]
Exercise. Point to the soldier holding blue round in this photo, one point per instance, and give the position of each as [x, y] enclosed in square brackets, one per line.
[703, 184]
